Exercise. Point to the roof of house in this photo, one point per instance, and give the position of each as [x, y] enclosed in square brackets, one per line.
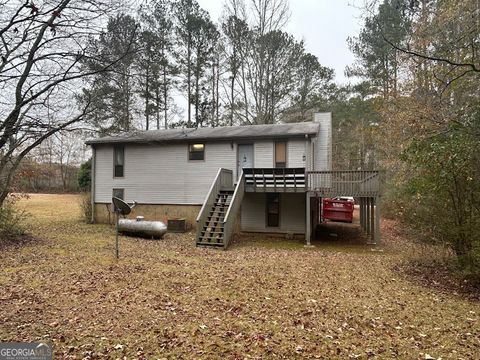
[208, 134]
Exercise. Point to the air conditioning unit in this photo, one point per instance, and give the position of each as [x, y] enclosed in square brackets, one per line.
[178, 225]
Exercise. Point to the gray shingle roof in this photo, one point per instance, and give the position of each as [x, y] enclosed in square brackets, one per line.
[212, 134]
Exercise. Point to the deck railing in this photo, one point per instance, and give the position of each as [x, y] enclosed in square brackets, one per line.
[275, 179]
[223, 181]
[361, 183]
[231, 215]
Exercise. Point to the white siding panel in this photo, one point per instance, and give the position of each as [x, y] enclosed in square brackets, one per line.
[263, 154]
[323, 145]
[292, 213]
[295, 153]
[156, 174]
[103, 173]
[253, 212]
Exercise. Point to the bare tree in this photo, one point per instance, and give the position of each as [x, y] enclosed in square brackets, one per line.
[41, 47]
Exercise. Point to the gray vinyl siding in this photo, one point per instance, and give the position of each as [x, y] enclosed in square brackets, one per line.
[162, 174]
[156, 174]
[264, 153]
[323, 142]
[292, 213]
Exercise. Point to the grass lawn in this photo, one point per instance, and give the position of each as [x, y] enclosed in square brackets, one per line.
[168, 299]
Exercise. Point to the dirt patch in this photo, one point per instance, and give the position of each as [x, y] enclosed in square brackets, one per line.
[340, 233]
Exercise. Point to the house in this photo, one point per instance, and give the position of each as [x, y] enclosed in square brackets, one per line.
[221, 180]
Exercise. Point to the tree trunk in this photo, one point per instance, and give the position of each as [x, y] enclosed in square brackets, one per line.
[157, 110]
[147, 98]
[213, 95]
[189, 64]
[165, 96]
[197, 75]
[217, 85]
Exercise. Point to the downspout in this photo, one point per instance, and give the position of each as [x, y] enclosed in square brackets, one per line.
[92, 183]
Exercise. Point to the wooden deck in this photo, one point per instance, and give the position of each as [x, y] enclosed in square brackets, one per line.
[275, 179]
[356, 183]
[362, 183]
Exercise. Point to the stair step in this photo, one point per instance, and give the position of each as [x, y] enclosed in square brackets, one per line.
[215, 221]
[205, 227]
[212, 239]
[213, 226]
[207, 240]
[212, 232]
[206, 244]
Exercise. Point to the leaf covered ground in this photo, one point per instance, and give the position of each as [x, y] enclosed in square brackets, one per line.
[260, 299]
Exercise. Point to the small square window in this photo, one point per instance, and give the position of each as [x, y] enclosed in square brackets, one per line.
[196, 152]
[118, 161]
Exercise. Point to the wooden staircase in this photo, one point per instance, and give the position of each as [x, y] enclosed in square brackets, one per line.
[212, 234]
[217, 217]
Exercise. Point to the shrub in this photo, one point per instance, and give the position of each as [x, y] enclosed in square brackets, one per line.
[86, 207]
[441, 195]
[11, 220]
[85, 175]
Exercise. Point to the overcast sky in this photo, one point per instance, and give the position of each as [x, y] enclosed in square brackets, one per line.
[324, 25]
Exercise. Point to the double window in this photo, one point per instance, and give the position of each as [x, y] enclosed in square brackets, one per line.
[118, 161]
[196, 152]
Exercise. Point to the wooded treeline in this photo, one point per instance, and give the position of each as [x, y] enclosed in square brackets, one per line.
[420, 66]
[245, 69]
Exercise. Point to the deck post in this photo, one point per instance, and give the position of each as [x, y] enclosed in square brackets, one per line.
[308, 220]
[377, 220]
[368, 216]
[361, 212]
[372, 218]
[364, 225]
[365, 214]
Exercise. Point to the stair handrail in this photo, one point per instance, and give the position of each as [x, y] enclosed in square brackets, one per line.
[210, 198]
[231, 215]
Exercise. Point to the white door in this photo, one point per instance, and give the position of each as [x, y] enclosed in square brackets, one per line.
[245, 157]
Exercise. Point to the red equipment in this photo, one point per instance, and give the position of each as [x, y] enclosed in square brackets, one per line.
[337, 210]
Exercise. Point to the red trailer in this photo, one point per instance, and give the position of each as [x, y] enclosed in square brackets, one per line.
[338, 209]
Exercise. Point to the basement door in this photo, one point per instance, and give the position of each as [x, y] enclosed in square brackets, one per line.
[244, 157]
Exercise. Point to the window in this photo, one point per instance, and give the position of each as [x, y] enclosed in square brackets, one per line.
[196, 152]
[280, 154]
[273, 209]
[118, 193]
[118, 161]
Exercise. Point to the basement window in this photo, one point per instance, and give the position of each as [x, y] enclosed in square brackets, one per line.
[119, 193]
[118, 161]
[196, 152]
